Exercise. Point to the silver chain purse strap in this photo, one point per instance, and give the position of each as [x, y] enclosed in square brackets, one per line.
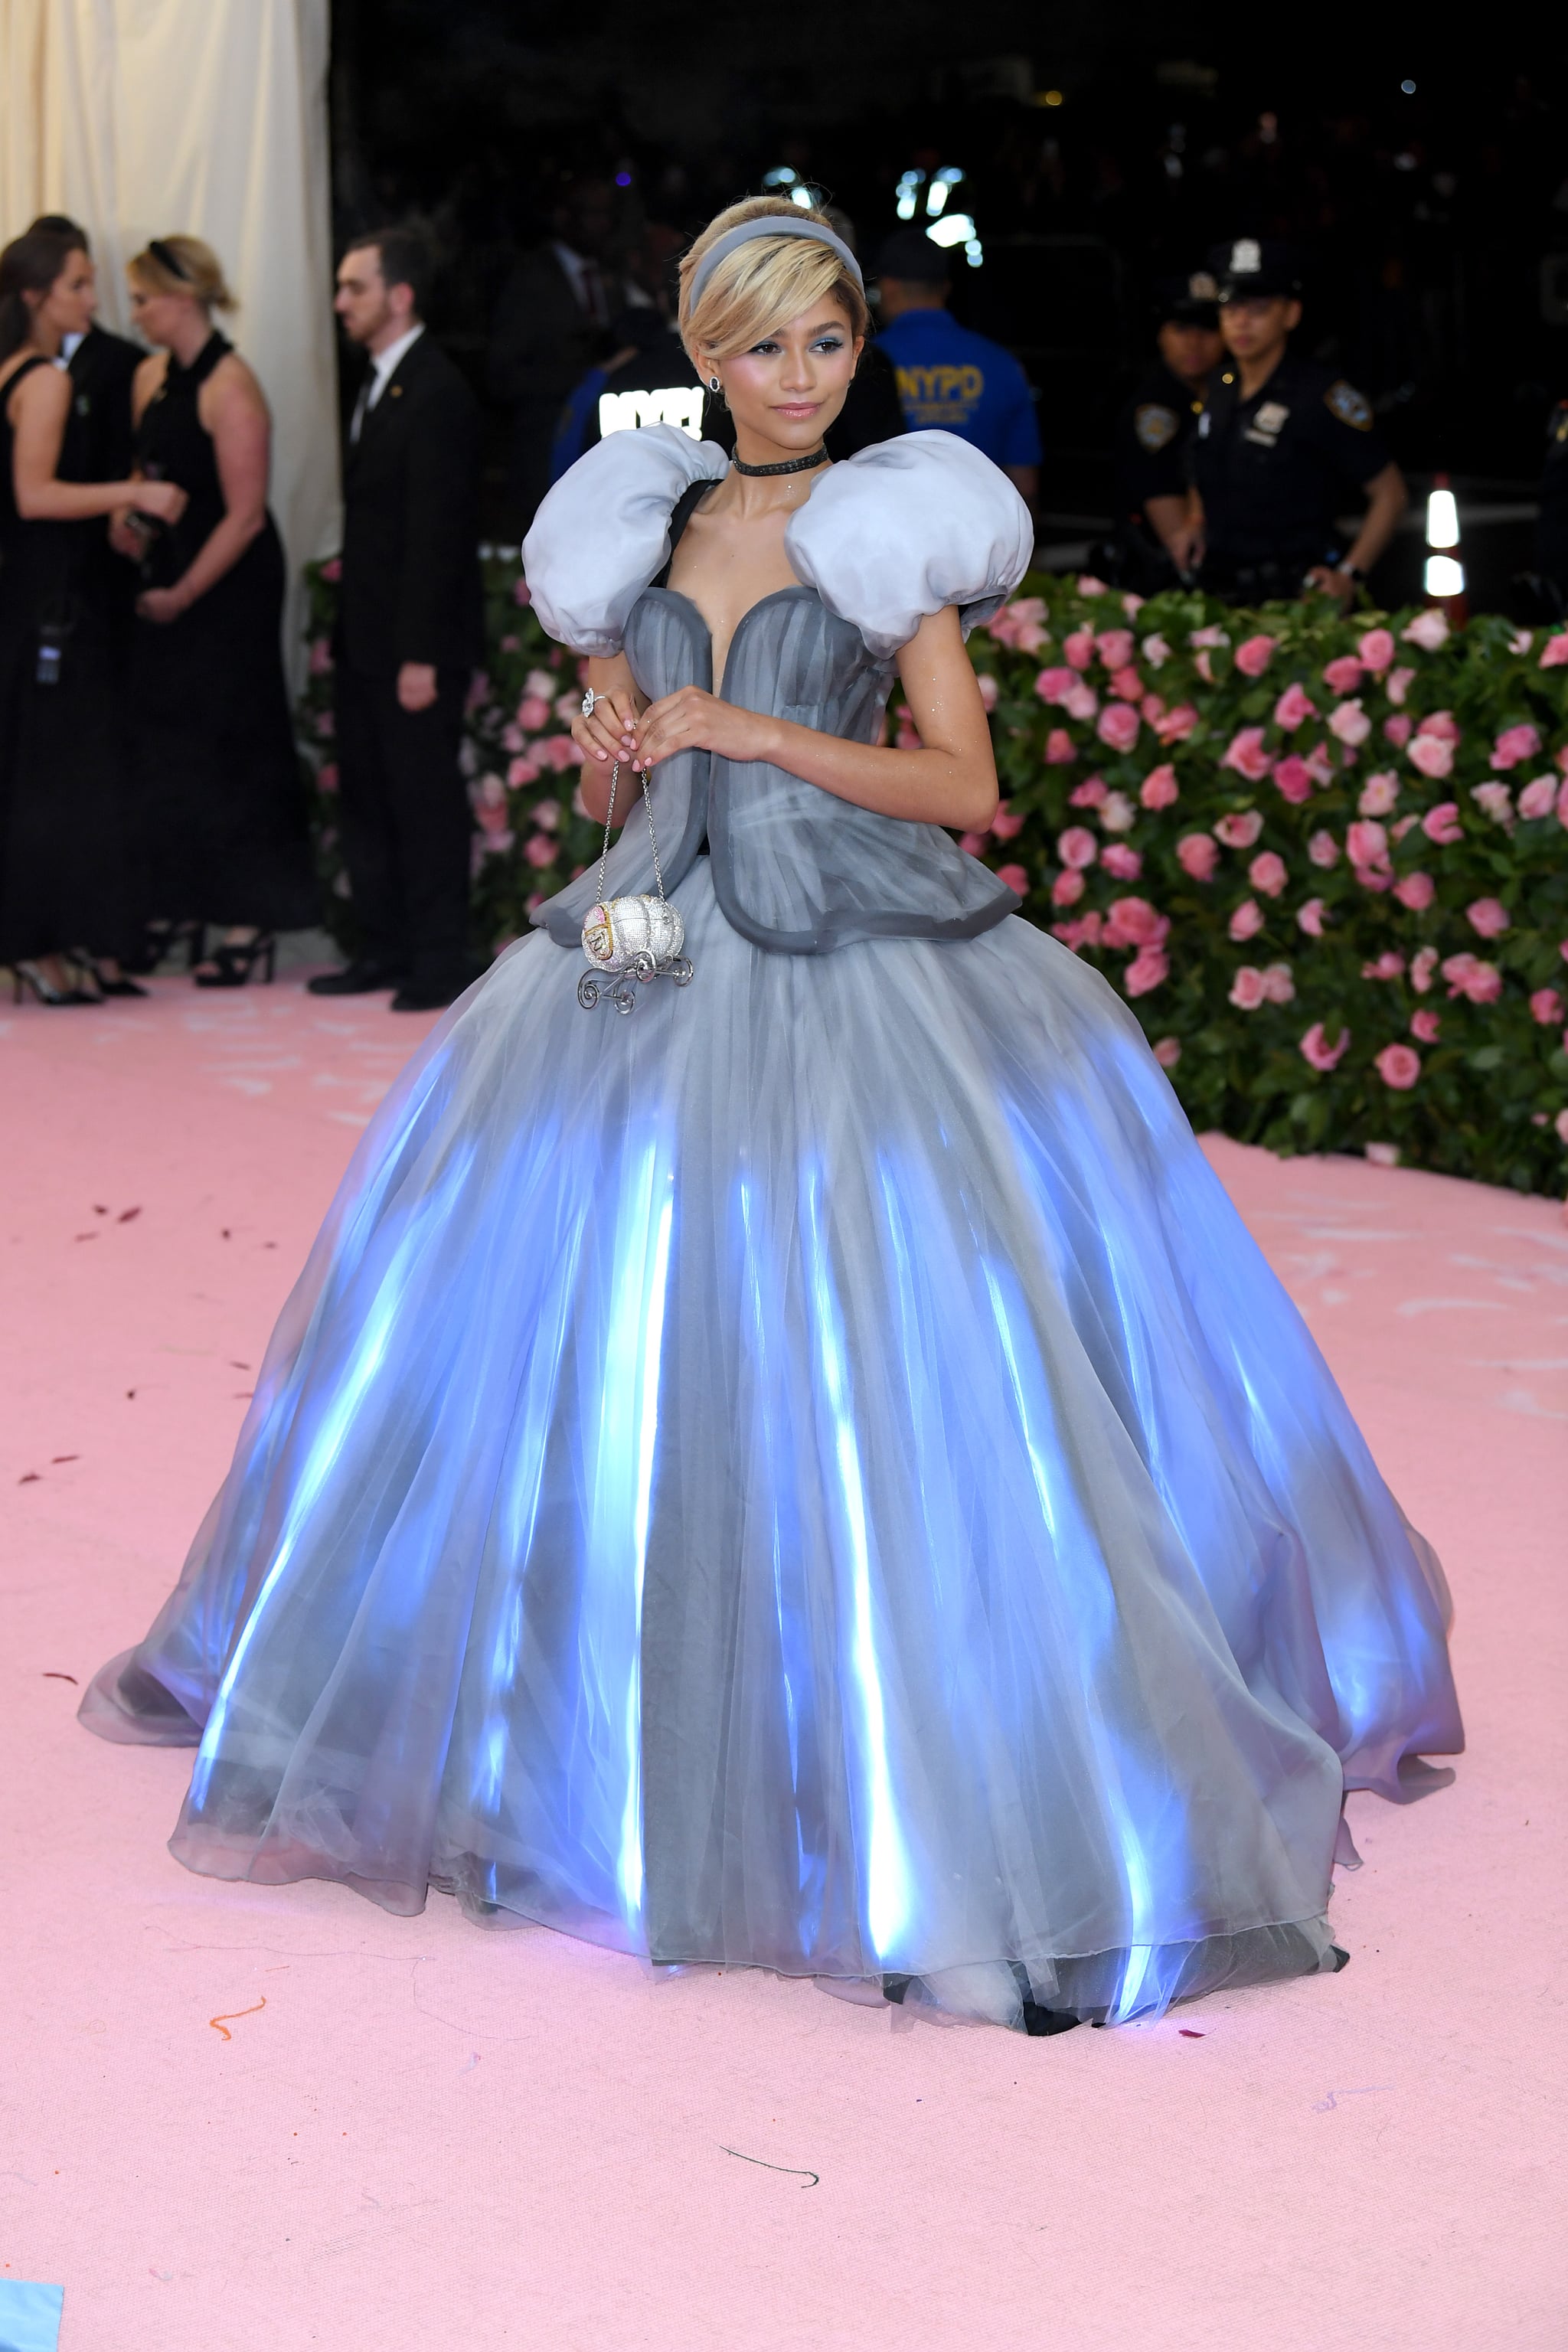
[630, 940]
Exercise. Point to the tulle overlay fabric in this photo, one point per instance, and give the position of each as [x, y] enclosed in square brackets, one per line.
[814, 1475]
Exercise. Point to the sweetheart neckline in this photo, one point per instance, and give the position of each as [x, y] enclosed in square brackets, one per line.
[796, 588]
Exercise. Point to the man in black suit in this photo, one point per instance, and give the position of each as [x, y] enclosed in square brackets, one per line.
[551, 323]
[408, 636]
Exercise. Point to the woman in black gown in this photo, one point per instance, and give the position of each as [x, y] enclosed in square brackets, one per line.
[66, 868]
[217, 774]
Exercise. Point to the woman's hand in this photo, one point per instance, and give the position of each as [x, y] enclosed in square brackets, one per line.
[126, 536]
[165, 502]
[691, 720]
[609, 733]
[161, 605]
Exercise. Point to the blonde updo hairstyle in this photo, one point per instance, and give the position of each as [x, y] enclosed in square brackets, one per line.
[769, 279]
[182, 265]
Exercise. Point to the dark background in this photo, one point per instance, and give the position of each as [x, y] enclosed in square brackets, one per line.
[1434, 224]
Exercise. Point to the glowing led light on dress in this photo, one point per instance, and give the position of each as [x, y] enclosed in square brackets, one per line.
[676, 403]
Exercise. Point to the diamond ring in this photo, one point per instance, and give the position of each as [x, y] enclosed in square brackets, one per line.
[589, 700]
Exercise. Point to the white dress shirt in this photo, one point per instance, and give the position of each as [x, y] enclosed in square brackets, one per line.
[382, 367]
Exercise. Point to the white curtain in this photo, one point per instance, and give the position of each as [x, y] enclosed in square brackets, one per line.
[142, 116]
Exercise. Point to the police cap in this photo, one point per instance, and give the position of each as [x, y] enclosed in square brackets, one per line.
[909, 254]
[1254, 269]
[1191, 301]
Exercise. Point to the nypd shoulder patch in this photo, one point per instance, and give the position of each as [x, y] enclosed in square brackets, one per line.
[1351, 407]
[1155, 426]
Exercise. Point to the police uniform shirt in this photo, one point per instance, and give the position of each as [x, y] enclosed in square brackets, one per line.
[1272, 471]
[953, 381]
[1151, 437]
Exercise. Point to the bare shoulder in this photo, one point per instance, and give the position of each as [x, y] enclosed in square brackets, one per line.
[147, 380]
[233, 391]
[43, 393]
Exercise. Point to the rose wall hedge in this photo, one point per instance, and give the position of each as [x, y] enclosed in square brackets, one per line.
[1326, 860]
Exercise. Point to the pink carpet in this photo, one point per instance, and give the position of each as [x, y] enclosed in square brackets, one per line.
[408, 2136]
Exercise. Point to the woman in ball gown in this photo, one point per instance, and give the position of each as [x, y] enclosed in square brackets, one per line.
[66, 912]
[813, 1474]
[217, 773]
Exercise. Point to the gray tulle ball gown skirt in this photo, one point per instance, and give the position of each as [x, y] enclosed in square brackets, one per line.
[815, 1475]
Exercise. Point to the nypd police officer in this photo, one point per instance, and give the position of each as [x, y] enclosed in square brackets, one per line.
[1280, 445]
[1155, 429]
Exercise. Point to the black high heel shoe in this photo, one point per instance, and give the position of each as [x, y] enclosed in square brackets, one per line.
[27, 980]
[98, 978]
[232, 965]
[162, 940]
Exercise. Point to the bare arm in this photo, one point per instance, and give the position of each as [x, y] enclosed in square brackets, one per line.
[39, 407]
[1386, 499]
[609, 734]
[951, 779]
[1178, 522]
[242, 435]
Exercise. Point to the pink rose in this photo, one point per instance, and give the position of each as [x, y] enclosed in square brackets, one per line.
[1349, 722]
[1078, 847]
[1416, 891]
[320, 661]
[1398, 728]
[1487, 916]
[1117, 726]
[1399, 682]
[1006, 824]
[971, 843]
[1316, 1049]
[326, 725]
[1253, 655]
[1554, 651]
[1279, 984]
[332, 568]
[1083, 930]
[1495, 800]
[1153, 708]
[1068, 889]
[1117, 813]
[1124, 862]
[520, 773]
[327, 777]
[1398, 1066]
[1425, 1024]
[1309, 917]
[1167, 1052]
[1441, 723]
[1562, 804]
[1431, 755]
[1247, 921]
[546, 814]
[1114, 648]
[1177, 724]
[1126, 685]
[1148, 967]
[1055, 685]
[1514, 744]
[1323, 849]
[1080, 702]
[1428, 630]
[1423, 964]
[1015, 878]
[1546, 1006]
[1367, 843]
[1294, 778]
[1240, 829]
[1379, 794]
[1093, 793]
[990, 692]
[1134, 923]
[1160, 788]
[519, 594]
[1539, 797]
[1441, 824]
[1389, 965]
[541, 849]
[1155, 652]
[1397, 831]
[1293, 705]
[1468, 976]
[1343, 675]
[1382, 1155]
[1213, 635]
[1087, 585]
[1060, 749]
[1376, 650]
[1078, 649]
[1560, 1122]
[558, 752]
[1132, 605]
[1267, 873]
[533, 713]
[1246, 990]
[1197, 855]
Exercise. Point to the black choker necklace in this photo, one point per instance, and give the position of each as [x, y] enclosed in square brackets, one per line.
[789, 466]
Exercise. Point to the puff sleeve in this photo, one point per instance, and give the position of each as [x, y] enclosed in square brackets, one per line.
[903, 528]
[602, 532]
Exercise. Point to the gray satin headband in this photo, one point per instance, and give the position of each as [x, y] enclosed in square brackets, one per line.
[770, 225]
